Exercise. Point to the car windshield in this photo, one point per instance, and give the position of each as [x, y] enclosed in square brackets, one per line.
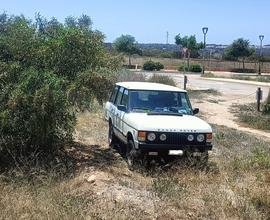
[160, 101]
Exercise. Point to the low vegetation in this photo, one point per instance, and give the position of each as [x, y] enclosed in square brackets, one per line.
[152, 66]
[234, 184]
[198, 94]
[195, 68]
[239, 77]
[163, 79]
[249, 116]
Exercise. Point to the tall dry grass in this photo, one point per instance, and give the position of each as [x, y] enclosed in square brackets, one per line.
[234, 185]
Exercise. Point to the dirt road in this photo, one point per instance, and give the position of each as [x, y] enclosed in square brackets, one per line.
[218, 109]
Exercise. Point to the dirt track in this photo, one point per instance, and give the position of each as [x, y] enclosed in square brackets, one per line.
[217, 109]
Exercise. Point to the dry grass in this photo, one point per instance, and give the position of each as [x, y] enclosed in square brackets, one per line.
[249, 116]
[234, 185]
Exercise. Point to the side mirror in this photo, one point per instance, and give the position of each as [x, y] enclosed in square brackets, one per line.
[122, 108]
[196, 111]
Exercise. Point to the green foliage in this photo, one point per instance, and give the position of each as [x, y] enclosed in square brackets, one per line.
[159, 66]
[48, 72]
[151, 66]
[188, 42]
[196, 68]
[163, 79]
[36, 113]
[182, 68]
[240, 48]
[126, 44]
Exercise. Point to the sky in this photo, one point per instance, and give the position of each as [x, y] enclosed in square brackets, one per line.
[149, 20]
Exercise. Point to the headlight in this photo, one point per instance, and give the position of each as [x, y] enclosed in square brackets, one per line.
[163, 137]
[200, 138]
[151, 136]
[190, 137]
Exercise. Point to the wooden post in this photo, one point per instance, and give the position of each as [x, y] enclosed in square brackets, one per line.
[259, 98]
[185, 82]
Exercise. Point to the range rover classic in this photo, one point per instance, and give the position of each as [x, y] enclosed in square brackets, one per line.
[155, 120]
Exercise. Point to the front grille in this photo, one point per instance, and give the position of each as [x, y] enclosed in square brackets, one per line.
[174, 138]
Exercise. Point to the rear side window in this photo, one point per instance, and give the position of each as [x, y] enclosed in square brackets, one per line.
[113, 95]
[125, 98]
[119, 96]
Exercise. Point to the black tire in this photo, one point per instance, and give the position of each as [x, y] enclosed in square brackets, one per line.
[111, 136]
[133, 156]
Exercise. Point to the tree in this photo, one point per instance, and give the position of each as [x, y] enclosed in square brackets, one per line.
[240, 48]
[189, 44]
[128, 45]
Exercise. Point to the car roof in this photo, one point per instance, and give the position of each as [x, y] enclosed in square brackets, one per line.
[149, 86]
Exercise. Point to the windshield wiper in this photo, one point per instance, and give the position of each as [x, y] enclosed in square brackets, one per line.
[165, 113]
[141, 108]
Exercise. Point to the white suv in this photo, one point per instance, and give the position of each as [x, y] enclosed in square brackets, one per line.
[157, 120]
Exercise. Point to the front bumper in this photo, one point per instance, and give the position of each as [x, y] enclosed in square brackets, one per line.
[165, 147]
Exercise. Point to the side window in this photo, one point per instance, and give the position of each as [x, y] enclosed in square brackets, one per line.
[124, 100]
[114, 93]
[119, 96]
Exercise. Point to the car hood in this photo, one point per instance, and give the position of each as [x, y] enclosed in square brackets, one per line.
[167, 123]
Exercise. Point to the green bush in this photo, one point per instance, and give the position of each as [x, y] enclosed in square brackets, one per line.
[48, 72]
[36, 114]
[163, 79]
[159, 66]
[151, 66]
[196, 68]
[183, 67]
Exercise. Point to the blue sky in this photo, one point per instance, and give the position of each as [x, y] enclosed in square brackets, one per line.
[148, 20]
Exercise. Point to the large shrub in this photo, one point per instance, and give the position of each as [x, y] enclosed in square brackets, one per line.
[151, 66]
[195, 68]
[36, 114]
[48, 72]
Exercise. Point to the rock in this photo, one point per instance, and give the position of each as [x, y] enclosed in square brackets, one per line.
[91, 179]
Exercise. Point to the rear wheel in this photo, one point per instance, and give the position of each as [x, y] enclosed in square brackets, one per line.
[111, 136]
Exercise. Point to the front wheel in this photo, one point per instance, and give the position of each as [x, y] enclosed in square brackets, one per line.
[132, 156]
[198, 160]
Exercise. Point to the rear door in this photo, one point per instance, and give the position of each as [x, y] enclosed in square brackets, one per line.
[124, 102]
[118, 113]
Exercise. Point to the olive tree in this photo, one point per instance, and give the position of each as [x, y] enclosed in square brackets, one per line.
[239, 49]
[127, 44]
[189, 43]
